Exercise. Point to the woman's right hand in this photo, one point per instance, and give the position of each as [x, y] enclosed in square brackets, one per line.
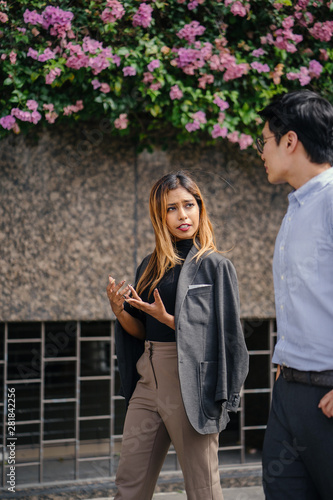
[116, 295]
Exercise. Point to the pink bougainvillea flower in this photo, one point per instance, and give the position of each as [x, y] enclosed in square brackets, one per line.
[245, 141]
[261, 68]
[51, 116]
[3, 19]
[258, 52]
[58, 20]
[221, 103]
[192, 5]
[155, 86]
[303, 76]
[235, 71]
[322, 31]
[105, 88]
[78, 61]
[288, 22]
[219, 131]
[96, 84]
[7, 122]
[115, 59]
[114, 11]
[153, 65]
[101, 61]
[192, 126]
[16, 129]
[204, 80]
[175, 93]
[12, 57]
[238, 9]
[32, 105]
[302, 4]
[233, 136]
[73, 108]
[315, 68]
[200, 116]
[147, 77]
[48, 107]
[143, 16]
[221, 118]
[24, 116]
[90, 45]
[324, 56]
[129, 71]
[121, 122]
[32, 17]
[47, 54]
[50, 77]
[35, 117]
[189, 60]
[190, 31]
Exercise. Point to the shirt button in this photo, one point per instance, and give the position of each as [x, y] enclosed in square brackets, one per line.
[281, 247]
[282, 277]
[289, 218]
[282, 337]
[281, 306]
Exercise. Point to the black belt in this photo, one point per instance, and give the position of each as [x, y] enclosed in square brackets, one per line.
[323, 379]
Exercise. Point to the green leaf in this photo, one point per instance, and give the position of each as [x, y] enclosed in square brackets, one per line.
[34, 76]
[155, 110]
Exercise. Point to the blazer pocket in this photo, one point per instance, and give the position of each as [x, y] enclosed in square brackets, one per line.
[207, 374]
[199, 289]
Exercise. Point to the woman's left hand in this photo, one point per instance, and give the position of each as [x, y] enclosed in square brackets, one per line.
[156, 309]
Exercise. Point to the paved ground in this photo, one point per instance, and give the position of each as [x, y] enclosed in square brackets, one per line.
[248, 493]
[245, 493]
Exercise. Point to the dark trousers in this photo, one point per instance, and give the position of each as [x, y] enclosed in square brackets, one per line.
[298, 445]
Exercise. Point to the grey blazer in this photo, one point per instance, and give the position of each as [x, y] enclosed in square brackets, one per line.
[212, 356]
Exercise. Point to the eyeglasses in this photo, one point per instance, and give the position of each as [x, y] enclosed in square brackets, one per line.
[260, 143]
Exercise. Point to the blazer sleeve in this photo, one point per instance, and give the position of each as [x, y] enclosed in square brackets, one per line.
[128, 350]
[233, 358]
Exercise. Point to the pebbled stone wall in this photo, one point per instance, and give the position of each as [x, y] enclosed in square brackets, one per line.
[74, 208]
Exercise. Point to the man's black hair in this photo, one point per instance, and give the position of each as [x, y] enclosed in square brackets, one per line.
[310, 116]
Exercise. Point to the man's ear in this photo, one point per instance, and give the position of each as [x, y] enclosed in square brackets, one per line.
[291, 141]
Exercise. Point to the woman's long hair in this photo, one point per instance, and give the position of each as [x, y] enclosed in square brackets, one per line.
[165, 257]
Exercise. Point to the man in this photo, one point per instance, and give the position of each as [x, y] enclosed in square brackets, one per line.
[297, 147]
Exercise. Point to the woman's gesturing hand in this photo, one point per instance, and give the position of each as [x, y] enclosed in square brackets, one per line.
[116, 295]
[156, 309]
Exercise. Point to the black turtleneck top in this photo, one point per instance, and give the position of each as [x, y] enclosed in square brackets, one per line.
[167, 287]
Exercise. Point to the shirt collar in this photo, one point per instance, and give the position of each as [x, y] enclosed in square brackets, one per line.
[313, 185]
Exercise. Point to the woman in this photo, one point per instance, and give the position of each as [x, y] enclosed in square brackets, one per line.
[180, 347]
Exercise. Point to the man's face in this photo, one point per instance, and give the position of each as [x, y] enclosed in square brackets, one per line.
[275, 162]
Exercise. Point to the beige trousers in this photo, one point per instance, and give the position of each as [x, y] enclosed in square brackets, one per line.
[156, 417]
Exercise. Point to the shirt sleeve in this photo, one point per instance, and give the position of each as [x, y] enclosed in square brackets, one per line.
[330, 215]
[136, 313]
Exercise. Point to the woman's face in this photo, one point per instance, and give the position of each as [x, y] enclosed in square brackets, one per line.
[182, 214]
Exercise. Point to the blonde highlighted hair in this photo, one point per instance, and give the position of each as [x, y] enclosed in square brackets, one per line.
[165, 257]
